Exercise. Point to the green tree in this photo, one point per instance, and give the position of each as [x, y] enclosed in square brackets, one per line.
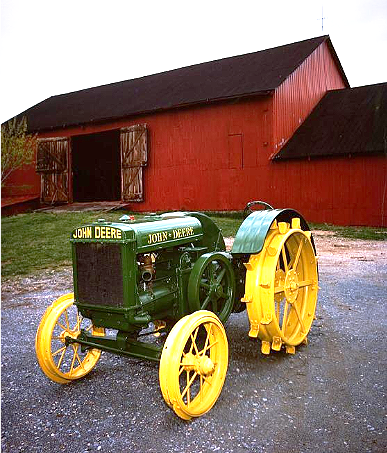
[17, 147]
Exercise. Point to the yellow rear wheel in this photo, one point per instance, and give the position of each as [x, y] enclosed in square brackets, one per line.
[60, 361]
[281, 288]
[193, 364]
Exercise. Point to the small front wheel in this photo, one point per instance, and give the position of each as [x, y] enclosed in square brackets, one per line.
[193, 364]
[60, 360]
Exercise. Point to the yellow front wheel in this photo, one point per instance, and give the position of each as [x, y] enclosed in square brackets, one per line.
[193, 364]
[61, 361]
[281, 287]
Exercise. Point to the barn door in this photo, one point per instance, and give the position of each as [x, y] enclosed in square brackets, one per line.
[52, 164]
[134, 156]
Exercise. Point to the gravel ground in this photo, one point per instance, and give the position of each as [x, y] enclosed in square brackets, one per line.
[330, 396]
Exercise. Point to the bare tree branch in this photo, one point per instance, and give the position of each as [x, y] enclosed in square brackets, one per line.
[17, 147]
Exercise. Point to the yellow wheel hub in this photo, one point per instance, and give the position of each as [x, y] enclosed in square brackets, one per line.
[193, 364]
[281, 288]
[61, 361]
[291, 286]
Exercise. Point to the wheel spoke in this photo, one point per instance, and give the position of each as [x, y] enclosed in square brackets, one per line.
[219, 278]
[61, 358]
[296, 259]
[189, 384]
[279, 289]
[205, 303]
[73, 360]
[285, 316]
[211, 272]
[204, 285]
[62, 326]
[79, 359]
[305, 283]
[284, 259]
[296, 309]
[205, 379]
[79, 321]
[184, 365]
[67, 319]
[212, 344]
[193, 341]
[277, 303]
[58, 351]
[203, 351]
[188, 391]
[223, 295]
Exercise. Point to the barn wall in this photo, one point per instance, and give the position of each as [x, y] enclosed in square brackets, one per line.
[22, 182]
[216, 157]
[205, 157]
[340, 190]
[301, 92]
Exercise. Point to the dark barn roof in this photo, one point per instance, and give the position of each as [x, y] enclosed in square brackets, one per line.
[244, 75]
[349, 121]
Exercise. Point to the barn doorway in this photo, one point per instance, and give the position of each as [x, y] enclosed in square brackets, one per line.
[96, 167]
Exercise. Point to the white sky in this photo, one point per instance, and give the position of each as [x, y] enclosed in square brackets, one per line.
[50, 47]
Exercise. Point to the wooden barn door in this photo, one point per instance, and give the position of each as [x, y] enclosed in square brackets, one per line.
[134, 156]
[53, 165]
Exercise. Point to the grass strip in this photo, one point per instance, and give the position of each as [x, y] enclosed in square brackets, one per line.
[38, 241]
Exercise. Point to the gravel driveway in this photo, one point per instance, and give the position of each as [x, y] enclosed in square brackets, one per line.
[329, 397]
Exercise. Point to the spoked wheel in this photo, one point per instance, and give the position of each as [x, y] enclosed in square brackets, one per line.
[211, 285]
[61, 361]
[193, 364]
[281, 288]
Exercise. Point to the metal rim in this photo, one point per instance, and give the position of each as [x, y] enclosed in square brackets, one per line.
[63, 362]
[282, 287]
[193, 364]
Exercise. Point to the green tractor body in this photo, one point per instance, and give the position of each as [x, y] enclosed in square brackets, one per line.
[171, 273]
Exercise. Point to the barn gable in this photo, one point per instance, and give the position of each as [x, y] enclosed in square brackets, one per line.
[235, 77]
[350, 121]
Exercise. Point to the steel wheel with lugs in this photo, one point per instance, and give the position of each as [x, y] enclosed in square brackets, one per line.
[60, 360]
[281, 288]
[193, 364]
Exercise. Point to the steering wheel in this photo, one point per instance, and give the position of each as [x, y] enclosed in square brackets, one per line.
[249, 207]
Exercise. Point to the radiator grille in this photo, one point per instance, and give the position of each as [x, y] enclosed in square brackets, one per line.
[99, 274]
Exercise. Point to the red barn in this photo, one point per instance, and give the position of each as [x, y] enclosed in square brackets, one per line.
[210, 136]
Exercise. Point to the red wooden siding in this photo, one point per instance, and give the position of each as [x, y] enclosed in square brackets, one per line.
[301, 91]
[191, 167]
[22, 182]
[339, 190]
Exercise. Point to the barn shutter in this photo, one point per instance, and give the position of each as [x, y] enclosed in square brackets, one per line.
[134, 156]
[52, 164]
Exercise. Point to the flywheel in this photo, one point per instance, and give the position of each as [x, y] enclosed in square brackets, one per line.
[62, 361]
[281, 288]
[193, 364]
[211, 285]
